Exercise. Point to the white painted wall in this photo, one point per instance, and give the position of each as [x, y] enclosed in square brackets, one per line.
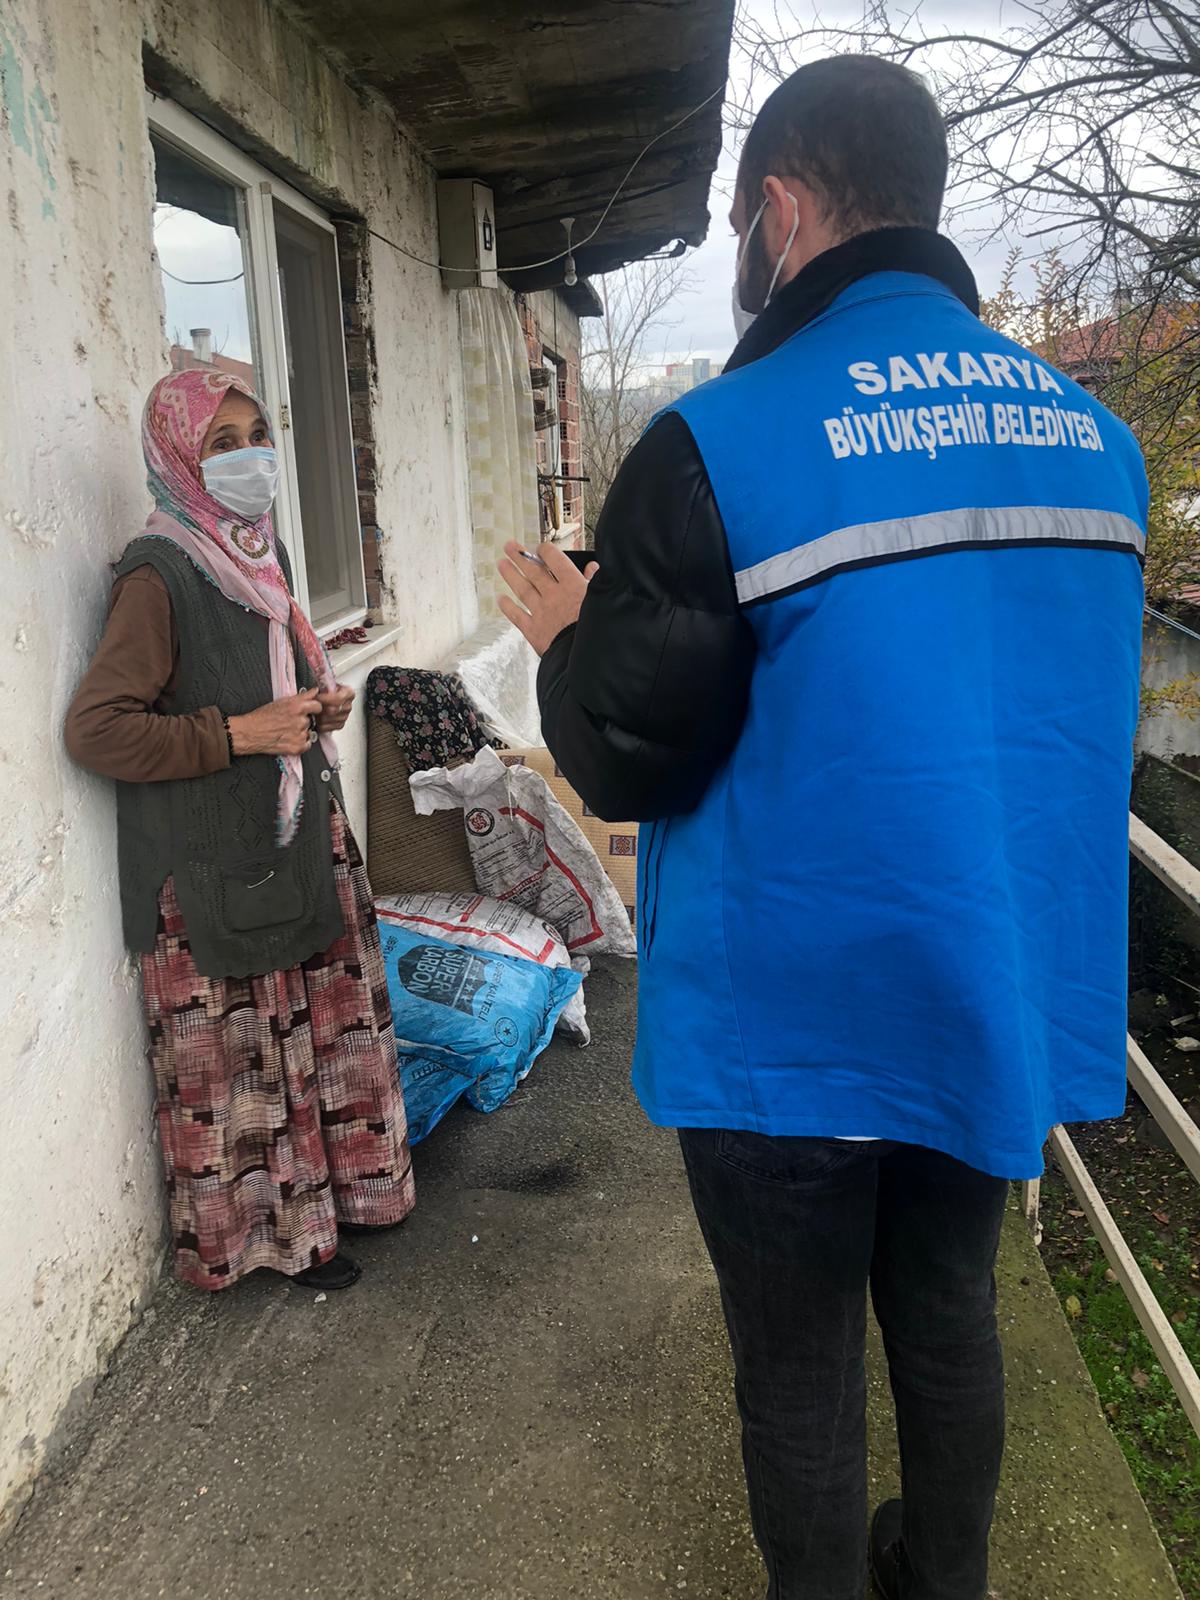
[81, 340]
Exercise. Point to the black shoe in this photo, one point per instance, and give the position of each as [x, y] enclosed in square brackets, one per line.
[362, 1229]
[339, 1272]
[888, 1564]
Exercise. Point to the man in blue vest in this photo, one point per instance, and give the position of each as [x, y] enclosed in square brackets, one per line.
[863, 649]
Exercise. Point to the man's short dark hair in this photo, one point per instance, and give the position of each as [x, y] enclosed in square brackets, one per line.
[864, 134]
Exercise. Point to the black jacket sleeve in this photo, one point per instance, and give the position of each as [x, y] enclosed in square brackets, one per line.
[644, 698]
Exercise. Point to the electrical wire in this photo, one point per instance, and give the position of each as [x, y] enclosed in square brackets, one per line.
[200, 283]
[530, 266]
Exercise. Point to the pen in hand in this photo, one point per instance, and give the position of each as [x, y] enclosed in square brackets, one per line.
[537, 561]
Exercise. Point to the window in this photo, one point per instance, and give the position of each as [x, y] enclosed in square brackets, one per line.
[562, 452]
[554, 443]
[199, 237]
[250, 280]
[316, 373]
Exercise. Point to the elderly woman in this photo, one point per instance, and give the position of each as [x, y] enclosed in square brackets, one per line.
[212, 702]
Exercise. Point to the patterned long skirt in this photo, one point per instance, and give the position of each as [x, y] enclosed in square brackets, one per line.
[279, 1104]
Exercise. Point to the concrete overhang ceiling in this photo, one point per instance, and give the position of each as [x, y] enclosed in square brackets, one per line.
[549, 105]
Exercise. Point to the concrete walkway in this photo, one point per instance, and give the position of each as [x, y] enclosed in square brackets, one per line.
[526, 1398]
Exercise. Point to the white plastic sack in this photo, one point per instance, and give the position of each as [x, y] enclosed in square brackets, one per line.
[526, 850]
[477, 922]
[498, 670]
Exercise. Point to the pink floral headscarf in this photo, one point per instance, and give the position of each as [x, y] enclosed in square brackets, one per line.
[238, 556]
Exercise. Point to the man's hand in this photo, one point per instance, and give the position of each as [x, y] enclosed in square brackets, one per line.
[550, 591]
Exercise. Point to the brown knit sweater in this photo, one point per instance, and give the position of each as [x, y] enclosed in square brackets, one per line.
[117, 725]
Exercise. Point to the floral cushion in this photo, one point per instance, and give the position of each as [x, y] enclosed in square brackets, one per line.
[429, 713]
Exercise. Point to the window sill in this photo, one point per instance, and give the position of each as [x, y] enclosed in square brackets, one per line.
[345, 619]
[565, 535]
[353, 655]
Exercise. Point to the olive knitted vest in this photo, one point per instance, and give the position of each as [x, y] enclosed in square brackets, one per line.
[248, 906]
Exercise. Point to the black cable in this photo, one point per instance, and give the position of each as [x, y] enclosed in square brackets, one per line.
[200, 283]
[529, 266]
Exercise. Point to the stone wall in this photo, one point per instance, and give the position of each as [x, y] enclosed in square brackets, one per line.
[1169, 656]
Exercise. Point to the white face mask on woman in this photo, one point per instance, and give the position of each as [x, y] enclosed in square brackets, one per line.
[243, 481]
[743, 320]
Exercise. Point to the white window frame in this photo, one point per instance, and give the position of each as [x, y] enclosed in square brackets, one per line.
[261, 190]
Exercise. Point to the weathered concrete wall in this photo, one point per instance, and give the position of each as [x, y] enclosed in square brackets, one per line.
[1168, 656]
[81, 340]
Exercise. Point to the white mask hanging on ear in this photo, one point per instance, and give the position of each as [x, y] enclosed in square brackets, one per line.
[743, 320]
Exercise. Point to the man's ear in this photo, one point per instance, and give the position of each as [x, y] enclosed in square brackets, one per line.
[780, 213]
[793, 202]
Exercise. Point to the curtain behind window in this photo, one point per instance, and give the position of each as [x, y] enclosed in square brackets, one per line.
[501, 449]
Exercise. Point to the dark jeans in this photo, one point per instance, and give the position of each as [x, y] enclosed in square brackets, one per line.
[797, 1228]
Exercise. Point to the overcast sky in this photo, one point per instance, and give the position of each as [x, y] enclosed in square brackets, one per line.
[192, 248]
[703, 316]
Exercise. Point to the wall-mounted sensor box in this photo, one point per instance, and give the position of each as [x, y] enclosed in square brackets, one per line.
[467, 234]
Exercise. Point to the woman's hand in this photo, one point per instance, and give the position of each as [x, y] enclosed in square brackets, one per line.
[281, 728]
[335, 709]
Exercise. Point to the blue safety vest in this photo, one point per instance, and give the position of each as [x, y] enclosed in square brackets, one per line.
[900, 910]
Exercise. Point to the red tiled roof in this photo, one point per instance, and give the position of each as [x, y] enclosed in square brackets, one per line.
[1108, 339]
[184, 360]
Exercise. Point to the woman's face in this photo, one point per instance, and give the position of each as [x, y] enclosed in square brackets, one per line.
[237, 425]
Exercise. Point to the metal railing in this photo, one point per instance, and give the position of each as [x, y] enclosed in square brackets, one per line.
[1183, 880]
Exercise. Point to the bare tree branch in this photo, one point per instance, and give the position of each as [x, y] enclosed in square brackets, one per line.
[614, 403]
[1083, 98]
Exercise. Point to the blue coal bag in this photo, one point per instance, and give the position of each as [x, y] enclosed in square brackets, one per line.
[466, 1023]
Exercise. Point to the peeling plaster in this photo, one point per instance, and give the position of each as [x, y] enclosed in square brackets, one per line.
[30, 116]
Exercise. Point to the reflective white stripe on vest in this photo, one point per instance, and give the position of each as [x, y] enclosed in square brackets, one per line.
[872, 542]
